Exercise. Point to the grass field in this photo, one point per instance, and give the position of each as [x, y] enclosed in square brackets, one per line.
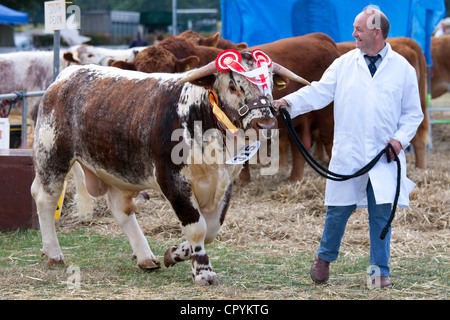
[259, 272]
[263, 251]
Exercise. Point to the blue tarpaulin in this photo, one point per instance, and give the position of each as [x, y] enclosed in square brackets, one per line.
[264, 21]
[10, 16]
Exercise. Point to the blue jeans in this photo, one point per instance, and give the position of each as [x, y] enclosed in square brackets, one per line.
[336, 221]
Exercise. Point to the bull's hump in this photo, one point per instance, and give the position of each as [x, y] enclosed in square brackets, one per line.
[104, 72]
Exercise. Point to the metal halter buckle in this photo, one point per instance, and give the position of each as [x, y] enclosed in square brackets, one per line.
[243, 113]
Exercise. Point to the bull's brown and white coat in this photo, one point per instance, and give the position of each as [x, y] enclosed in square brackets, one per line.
[117, 125]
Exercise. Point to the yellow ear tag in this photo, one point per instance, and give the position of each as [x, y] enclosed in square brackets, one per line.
[220, 115]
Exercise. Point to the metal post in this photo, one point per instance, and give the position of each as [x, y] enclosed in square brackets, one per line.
[24, 122]
[174, 17]
[56, 45]
[430, 134]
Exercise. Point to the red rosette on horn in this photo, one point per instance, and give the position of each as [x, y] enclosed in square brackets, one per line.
[226, 58]
[258, 55]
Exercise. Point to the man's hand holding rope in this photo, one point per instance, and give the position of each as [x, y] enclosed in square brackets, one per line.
[397, 147]
[277, 104]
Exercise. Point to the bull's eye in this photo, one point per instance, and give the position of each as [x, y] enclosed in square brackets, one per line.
[90, 55]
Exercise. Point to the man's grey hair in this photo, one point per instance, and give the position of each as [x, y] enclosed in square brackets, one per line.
[378, 20]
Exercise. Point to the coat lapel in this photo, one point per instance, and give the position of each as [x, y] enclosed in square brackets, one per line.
[385, 59]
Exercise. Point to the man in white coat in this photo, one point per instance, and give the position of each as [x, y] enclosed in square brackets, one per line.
[376, 102]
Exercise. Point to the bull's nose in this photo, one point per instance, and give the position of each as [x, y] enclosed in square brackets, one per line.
[265, 127]
[268, 125]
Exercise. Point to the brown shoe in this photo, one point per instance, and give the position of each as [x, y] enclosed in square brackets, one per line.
[379, 282]
[320, 270]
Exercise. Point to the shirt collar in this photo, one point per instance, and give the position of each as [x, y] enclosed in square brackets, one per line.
[383, 52]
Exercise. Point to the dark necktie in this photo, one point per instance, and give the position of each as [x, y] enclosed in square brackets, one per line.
[372, 60]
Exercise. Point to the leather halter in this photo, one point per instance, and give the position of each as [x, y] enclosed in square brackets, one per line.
[260, 102]
[221, 117]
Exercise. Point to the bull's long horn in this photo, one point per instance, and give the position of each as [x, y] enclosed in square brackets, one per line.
[204, 71]
[282, 71]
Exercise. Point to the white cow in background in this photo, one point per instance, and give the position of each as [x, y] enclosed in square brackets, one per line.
[87, 54]
[33, 70]
[27, 71]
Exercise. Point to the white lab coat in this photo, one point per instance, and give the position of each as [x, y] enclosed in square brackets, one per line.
[368, 112]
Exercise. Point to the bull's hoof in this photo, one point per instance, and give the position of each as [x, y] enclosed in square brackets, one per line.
[149, 264]
[209, 280]
[205, 283]
[144, 195]
[169, 259]
[55, 260]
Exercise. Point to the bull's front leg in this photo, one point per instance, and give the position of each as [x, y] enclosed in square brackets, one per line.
[202, 272]
[199, 226]
[193, 249]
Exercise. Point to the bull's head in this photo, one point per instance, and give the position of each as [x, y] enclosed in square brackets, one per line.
[83, 54]
[244, 96]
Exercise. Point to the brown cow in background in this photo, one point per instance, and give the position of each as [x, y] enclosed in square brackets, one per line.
[440, 72]
[179, 53]
[172, 55]
[213, 41]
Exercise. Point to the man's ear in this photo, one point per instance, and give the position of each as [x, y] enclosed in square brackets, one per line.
[378, 33]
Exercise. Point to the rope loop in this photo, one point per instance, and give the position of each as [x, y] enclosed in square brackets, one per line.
[3, 103]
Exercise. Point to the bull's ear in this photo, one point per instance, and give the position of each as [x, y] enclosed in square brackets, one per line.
[279, 82]
[186, 64]
[123, 65]
[241, 46]
[213, 40]
[68, 56]
[206, 82]
[203, 76]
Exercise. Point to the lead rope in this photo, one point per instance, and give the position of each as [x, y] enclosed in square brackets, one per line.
[324, 172]
[3, 103]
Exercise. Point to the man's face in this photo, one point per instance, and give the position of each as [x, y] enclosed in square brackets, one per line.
[365, 37]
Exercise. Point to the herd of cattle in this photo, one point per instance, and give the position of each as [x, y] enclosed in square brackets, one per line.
[114, 126]
[307, 56]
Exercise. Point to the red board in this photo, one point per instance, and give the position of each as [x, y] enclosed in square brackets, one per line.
[17, 206]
